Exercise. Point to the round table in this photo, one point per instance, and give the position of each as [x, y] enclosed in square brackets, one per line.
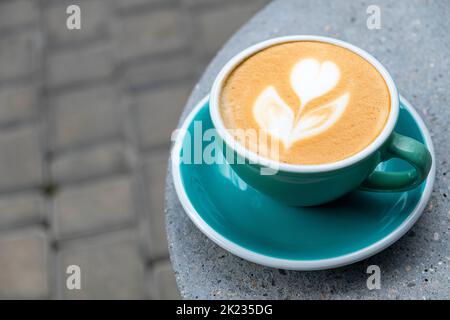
[413, 42]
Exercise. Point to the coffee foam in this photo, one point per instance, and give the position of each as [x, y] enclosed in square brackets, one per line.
[321, 102]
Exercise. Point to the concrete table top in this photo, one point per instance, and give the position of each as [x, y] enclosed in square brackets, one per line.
[414, 44]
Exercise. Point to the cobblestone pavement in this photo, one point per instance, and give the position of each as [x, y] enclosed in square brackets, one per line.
[85, 121]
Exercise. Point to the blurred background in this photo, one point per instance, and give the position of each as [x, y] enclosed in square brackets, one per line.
[85, 123]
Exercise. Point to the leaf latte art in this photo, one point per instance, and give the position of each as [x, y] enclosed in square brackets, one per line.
[309, 79]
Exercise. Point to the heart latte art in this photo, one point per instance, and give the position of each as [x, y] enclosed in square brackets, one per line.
[309, 79]
[305, 102]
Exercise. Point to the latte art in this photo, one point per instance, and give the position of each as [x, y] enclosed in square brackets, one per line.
[309, 79]
[319, 102]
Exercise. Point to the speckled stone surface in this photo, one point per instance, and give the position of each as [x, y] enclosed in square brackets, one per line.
[414, 44]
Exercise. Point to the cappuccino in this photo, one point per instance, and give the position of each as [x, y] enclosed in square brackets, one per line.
[319, 102]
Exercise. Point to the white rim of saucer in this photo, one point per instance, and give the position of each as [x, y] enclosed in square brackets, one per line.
[263, 161]
[304, 265]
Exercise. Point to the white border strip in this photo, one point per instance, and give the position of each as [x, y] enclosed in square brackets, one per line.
[299, 264]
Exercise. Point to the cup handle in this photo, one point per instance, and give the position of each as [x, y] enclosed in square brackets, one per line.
[408, 149]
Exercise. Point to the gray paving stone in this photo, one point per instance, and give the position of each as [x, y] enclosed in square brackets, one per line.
[155, 173]
[18, 102]
[156, 51]
[20, 54]
[164, 280]
[215, 26]
[16, 13]
[111, 268]
[91, 207]
[158, 112]
[93, 162]
[20, 209]
[24, 265]
[171, 68]
[96, 15]
[20, 158]
[121, 5]
[84, 116]
[202, 3]
[151, 32]
[89, 63]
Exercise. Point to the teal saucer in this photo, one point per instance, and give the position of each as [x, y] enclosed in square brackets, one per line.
[254, 227]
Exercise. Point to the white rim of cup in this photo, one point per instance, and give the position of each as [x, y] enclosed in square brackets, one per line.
[289, 264]
[266, 162]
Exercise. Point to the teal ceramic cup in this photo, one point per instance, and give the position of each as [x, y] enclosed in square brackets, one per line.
[308, 185]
